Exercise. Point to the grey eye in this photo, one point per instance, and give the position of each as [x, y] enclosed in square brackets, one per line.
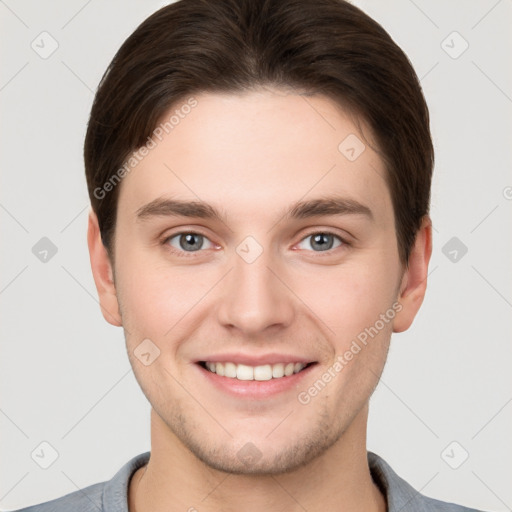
[322, 241]
[188, 242]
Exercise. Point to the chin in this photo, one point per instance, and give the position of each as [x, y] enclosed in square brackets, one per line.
[263, 455]
[249, 460]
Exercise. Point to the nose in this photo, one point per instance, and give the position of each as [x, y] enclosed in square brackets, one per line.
[255, 298]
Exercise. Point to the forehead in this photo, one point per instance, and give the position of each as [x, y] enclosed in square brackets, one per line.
[248, 152]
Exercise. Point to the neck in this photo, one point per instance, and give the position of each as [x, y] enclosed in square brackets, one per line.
[175, 480]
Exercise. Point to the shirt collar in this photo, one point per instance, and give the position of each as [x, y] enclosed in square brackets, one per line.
[115, 492]
[400, 496]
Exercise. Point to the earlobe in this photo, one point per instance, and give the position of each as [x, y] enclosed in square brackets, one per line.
[102, 273]
[414, 280]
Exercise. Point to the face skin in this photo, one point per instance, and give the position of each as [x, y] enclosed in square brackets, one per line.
[252, 156]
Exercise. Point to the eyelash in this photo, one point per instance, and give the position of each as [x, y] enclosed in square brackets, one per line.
[185, 254]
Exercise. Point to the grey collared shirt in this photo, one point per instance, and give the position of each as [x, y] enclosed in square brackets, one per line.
[112, 495]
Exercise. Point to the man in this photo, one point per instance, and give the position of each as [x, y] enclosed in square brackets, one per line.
[259, 174]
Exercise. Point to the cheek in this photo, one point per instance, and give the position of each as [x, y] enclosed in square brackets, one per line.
[156, 298]
[348, 298]
[356, 303]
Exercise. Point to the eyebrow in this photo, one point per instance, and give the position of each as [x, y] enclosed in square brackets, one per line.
[332, 205]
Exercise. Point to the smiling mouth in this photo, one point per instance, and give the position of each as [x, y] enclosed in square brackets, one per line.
[260, 373]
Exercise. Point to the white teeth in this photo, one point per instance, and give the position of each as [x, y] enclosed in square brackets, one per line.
[244, 372]
[230, 370]
[263, 372]
[219, 369]
[278, 370]
[288, 369]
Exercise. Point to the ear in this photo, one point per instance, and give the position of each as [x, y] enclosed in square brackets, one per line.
[102, 273]
[414, 280]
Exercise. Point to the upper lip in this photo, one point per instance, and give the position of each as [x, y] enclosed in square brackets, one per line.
[255, 360]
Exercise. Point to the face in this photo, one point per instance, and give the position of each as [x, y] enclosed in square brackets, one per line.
[298, 271]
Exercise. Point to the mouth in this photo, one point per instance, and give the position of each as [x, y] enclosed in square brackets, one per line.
[265, 372]
[260, 382]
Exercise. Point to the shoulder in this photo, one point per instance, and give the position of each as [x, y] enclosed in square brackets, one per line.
[402, 496]
[84, 500]
[111, 495]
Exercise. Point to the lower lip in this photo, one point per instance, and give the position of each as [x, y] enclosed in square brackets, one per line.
[255, 389]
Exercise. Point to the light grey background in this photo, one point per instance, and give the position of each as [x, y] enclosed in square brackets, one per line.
[65, 375]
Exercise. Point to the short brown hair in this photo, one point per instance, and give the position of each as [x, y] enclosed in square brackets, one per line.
[326, 47]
